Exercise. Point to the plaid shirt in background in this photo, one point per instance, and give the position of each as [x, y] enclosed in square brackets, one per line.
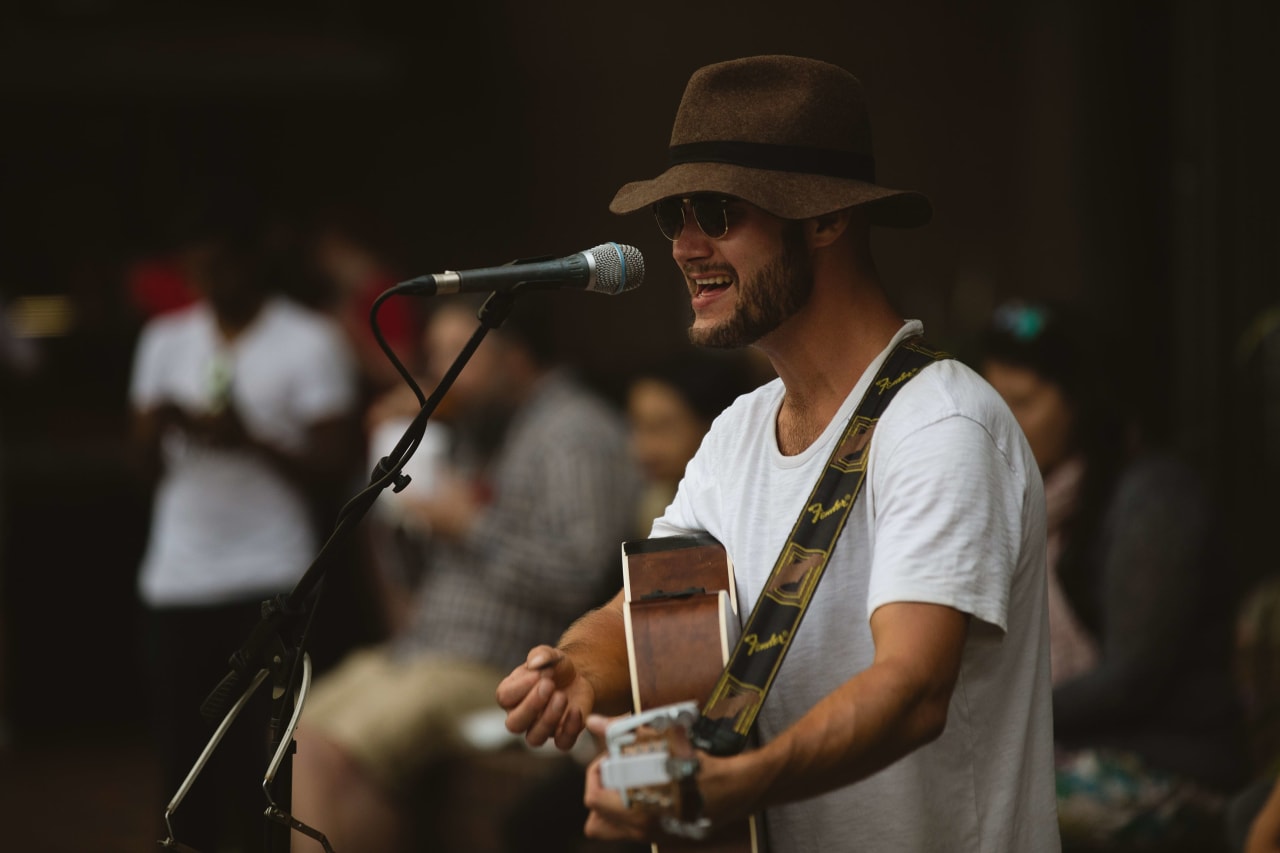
[548, 548]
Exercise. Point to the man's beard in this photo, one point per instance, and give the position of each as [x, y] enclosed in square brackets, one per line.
[767, 300]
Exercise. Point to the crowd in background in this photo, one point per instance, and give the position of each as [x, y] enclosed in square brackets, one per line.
[255, 362]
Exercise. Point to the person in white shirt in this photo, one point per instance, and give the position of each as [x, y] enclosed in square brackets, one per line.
[912, 712]
[244, 408]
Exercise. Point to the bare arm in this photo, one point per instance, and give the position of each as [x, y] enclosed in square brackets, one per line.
[553, 692]
[148, 426]
[893, 707]
[320, 463]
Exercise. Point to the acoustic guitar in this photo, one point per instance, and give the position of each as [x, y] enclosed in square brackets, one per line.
[681, 613]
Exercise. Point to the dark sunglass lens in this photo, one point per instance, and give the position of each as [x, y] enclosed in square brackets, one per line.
[711, 215]
[670, 215]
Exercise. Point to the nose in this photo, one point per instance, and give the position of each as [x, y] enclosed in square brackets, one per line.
[692, 244]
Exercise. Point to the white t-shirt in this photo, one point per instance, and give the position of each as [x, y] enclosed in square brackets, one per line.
[951, 512]
[225, 523]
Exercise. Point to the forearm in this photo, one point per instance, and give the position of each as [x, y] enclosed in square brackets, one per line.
[597, 645]
[893, 707]
[320, 463]
[862, 727]
[148, 427]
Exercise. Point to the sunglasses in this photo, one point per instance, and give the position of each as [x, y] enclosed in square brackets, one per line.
[711, 212]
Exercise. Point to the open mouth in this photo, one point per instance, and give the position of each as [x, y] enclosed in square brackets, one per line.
[711, 284]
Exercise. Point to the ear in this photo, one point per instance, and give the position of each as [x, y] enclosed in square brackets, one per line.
[821, 231]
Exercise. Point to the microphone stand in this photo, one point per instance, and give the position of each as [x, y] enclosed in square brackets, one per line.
[275, 647]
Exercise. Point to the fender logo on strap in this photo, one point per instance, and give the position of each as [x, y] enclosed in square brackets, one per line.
[754, 645]
[819, 512]
[885, 384]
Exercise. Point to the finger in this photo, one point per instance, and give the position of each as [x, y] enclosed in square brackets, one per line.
[542, 657]
[549, 721]
[515, 687]
[526, 712]
[601, 828]
[597, 798]
[569, 729]
[598, 725]
[608, 818]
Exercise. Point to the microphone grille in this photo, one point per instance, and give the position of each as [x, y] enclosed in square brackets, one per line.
[618, 268]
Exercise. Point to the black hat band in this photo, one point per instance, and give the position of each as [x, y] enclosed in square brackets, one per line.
[777, 158]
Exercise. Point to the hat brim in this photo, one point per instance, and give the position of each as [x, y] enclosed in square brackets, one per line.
[790, 195]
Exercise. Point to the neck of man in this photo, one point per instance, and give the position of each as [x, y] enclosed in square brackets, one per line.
[821, 352]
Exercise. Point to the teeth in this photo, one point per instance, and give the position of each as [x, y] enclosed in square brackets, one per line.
[712, 281]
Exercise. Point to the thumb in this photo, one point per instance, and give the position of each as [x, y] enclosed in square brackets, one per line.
[597, 723]
[542, 657]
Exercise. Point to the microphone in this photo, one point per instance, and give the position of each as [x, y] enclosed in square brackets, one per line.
[608, 268]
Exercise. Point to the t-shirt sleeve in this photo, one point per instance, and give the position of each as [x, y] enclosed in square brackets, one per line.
[329, 386]
[145, 379]
[947, 521]
[696, 489]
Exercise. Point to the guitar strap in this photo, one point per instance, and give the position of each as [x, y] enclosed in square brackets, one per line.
[729, 714]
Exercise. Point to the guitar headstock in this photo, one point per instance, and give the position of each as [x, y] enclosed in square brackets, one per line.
[652, 764]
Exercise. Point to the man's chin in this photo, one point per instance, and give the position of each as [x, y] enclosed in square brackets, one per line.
[717, 336]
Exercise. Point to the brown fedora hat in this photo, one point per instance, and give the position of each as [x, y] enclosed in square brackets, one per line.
[788, 134]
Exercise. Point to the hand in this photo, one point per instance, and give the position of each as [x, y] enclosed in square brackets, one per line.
[725, 786]
[609, 819]
[223, 428]
[220, 429]
[545, 697]
[169, 415]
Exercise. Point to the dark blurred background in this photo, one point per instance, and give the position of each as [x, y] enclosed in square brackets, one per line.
[1121, 154]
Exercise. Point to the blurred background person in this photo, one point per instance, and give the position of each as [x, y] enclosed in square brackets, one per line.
[519, 535]
[1141, 592]
[343, 257]
[398, 534]
[670, 407]
[244, 419]
[352, 262]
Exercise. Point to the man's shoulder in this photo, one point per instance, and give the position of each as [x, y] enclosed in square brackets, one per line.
[949, 388]
[288, 314]
[302, 331]
[951, 408]
[175, 327]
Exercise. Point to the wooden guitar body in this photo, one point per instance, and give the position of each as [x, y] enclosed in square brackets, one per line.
[682, 622]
